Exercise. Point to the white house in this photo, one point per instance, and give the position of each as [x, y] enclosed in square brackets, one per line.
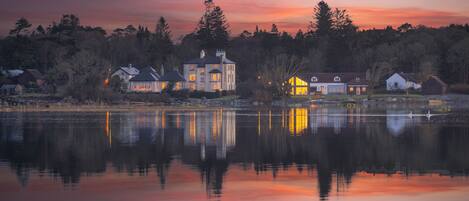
[210, 73]
[147, 81]
[329, 83]
[402, 81]
[125, 74]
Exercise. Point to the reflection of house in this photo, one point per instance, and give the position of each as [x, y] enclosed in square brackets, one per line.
[335, 118]
[146, 81]
[210, 73]
[298, 120]
[402, 81]
[329, 83]
[125, 74]
[434, 86]
[397, 124]
[215, 129]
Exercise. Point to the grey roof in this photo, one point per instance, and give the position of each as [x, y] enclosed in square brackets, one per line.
[201, 62]
[146, 75]
[12, 72]
[129, 70]
[35, 73]
[172, 76]
[408, 76]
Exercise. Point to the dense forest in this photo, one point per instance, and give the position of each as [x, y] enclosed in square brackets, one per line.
[74, 56]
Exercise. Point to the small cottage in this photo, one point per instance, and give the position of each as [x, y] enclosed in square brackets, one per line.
[148, 81]
[402, 81]
[434, 86]
[31, 78]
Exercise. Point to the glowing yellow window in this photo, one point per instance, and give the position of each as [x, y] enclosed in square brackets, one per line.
[216, 77]
[298, 86]
[298, 120]
[163, 85]
[192, 77]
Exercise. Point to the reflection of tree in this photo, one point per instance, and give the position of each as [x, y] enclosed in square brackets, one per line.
[71, 146]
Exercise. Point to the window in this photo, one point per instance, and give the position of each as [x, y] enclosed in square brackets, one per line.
[192, 77]
[336, 79]
[163, 85]
[314, 79]
[215, 77]
[357, 79]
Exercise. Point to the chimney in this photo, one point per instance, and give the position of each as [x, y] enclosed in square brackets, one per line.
[202, 54]
[221, 53]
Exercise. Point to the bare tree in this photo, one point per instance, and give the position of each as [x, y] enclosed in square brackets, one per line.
[275, 72]
[375, 73]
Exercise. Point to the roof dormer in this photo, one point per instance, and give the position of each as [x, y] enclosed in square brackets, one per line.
[336, 79]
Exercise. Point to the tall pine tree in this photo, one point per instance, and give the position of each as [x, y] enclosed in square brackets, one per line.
[323, 19]
[212, 30]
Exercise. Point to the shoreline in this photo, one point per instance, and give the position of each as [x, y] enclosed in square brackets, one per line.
[454, 101]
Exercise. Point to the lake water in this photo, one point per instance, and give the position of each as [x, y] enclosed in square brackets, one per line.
[317, 153]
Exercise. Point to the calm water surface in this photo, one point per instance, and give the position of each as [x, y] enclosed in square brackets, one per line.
[322, 153]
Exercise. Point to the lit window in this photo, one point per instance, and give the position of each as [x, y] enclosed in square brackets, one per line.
[363, 89]
[351, 88]
[336, 79]
[192, 77]
[216, 77]
[314, 79]
[163, 85]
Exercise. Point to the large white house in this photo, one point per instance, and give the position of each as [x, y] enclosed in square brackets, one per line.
[210, 73]
[402, 81]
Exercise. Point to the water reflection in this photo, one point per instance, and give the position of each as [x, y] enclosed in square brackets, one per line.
[331, 145]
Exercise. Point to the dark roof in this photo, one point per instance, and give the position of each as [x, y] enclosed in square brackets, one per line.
[201, 62]
[35, 73]
[408, 76]
[329, 77]
[437, 79]
[172, 76]
[215, 71]
[146, 75]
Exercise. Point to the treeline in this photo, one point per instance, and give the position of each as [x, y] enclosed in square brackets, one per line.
[74, 56]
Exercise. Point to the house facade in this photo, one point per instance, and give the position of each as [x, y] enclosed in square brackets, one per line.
[147, 81]
[329, 83]
[210, 73]
[402, 81]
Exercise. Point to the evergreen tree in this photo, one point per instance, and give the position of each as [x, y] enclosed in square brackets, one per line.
[212, 30]
[323, 19]
[162, 31]
[21, 27]
[274, 28]
[219, 28]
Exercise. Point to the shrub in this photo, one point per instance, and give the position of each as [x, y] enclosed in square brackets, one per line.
[459, 88]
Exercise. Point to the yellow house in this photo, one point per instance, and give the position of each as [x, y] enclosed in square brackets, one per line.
[299, 87]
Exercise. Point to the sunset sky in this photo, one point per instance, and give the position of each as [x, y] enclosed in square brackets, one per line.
[289, 15]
